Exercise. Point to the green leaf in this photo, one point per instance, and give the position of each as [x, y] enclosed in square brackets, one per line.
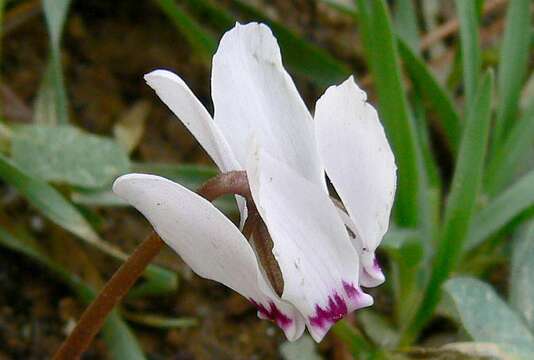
[119, 338]
[470, 45]
[53, 85]
[57, 209]
[382, 57]
[487, 318]
[502, 210]
[358, 345]
[513, 63]
[200, 40]
[406, 23]
[522, 268]
[461, 203]
[429, 89]
[65, 154]
[48, 201]
[514, 151]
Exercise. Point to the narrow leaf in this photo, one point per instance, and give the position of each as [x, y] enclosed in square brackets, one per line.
[461, 203]
[502, 210]
[382, 57]
[53, 83]
[513, 152]
[200, 40]
[406, 23]
[470, 45]
[513, 63]
[430, 89]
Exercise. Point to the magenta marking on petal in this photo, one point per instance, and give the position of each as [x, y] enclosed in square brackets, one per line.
[334, 311]
[351, 290]
[273, 314]
[376, 265]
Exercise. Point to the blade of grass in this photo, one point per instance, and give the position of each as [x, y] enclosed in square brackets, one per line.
[160, 322]
[359, 346]
[502, 210]
[511, 153]
[513, 64]
[460, 205]
[470, 48]
[55, 15]
[57, 209]
[406, 23]
[382, 57]
[202, 42]
[438, 98]
[2, 8]
[121, 342]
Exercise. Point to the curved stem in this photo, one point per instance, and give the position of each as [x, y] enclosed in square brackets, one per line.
[94, 316]
[233, 182]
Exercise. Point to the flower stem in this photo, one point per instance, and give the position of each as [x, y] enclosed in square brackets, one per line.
[94, 316]
[233, 182]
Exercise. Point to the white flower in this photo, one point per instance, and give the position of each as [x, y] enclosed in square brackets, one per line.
[261, 125]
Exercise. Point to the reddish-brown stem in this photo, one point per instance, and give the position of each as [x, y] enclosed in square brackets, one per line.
[94, 316]
[234, 182]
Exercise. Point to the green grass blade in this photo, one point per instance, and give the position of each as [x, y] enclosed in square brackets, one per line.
[200, 40]
[461, 203]
[511, 153]
[513, 64]
[119, 338]
[358, 345]
[470, 45]
[55, 15]
[382, 57]
[406, 23]
[433, 93]
[502, 210]
[60, 211]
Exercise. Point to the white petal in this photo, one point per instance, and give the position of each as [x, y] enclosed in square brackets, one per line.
[319, 264]
[207, 241]
[253, 94]
[184, 104]
[359, 162]
[371, 274]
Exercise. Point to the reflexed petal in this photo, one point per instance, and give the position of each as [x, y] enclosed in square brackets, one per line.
[319, 264]
[208, 242]
[253, 94]
[359, 162]
[184, 104]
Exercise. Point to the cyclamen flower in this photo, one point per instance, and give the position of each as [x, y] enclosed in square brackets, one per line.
[262, 125]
